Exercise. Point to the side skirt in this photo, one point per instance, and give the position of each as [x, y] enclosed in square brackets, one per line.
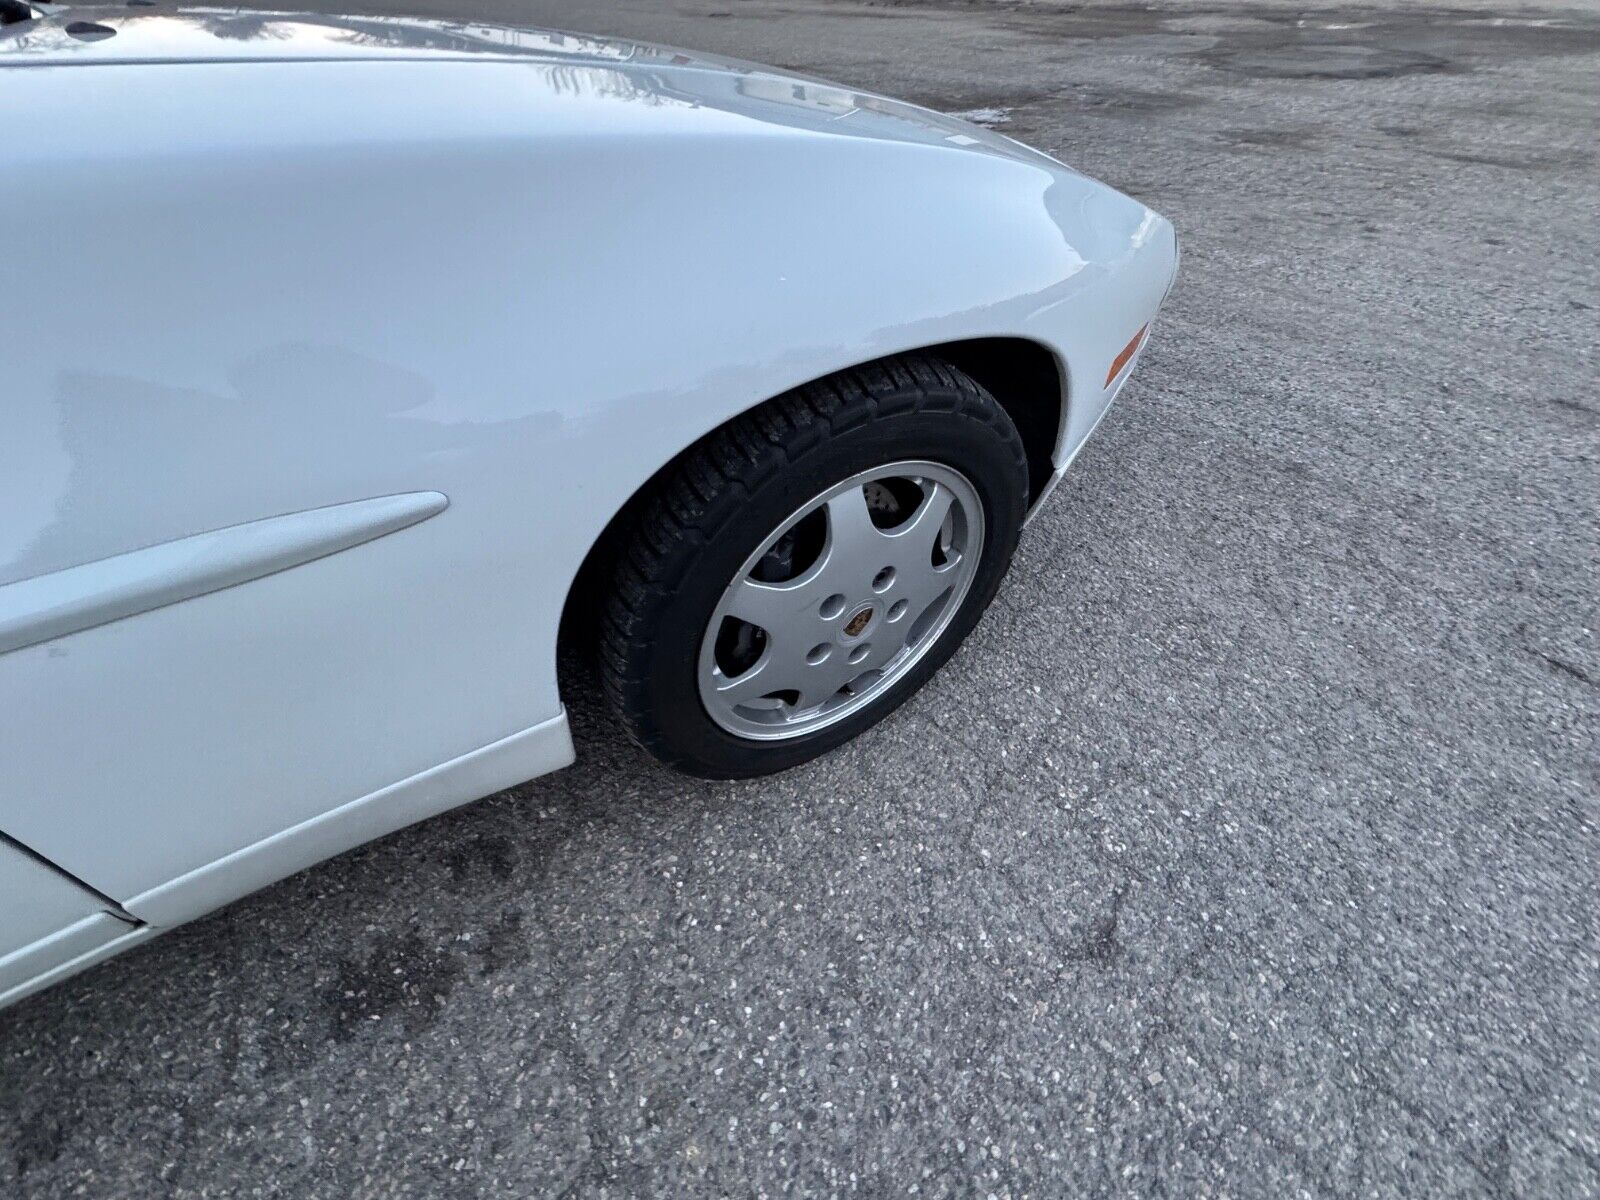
[535, 751]
[81, 962]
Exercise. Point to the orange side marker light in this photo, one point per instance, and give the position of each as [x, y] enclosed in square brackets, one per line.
[1121, 360]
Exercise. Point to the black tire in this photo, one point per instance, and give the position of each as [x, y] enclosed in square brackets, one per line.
[730, 491]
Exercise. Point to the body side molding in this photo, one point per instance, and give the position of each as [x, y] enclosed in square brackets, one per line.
[124, 585]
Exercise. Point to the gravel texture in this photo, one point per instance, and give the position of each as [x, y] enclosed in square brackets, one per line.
[1248, 848]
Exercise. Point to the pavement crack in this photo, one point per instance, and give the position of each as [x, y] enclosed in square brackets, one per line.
[1564, 667]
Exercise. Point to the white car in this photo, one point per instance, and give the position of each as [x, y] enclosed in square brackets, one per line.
[350, 366]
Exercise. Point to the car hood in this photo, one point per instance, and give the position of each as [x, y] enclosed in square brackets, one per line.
[88, 35]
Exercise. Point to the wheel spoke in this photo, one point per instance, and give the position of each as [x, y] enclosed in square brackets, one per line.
[919, 582]
[768, 605]
[935, 585]
[816, 691]
[855, 544]
[748, 685]
[883, 649]
[919, 532]
[920, 589]
[820, 683]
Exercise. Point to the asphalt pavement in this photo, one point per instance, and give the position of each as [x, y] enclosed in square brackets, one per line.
[1249, 847]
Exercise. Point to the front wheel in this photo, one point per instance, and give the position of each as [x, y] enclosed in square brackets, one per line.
[805, 568]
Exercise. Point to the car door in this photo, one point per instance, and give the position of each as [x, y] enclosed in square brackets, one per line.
[273, 579]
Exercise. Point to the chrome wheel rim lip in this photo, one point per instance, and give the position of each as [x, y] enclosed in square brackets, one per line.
[842, 570]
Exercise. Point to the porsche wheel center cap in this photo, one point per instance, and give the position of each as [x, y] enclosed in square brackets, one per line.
[856, 624]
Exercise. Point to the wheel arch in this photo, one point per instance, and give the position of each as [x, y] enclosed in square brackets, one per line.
[1025, 377]
[1029, 381]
